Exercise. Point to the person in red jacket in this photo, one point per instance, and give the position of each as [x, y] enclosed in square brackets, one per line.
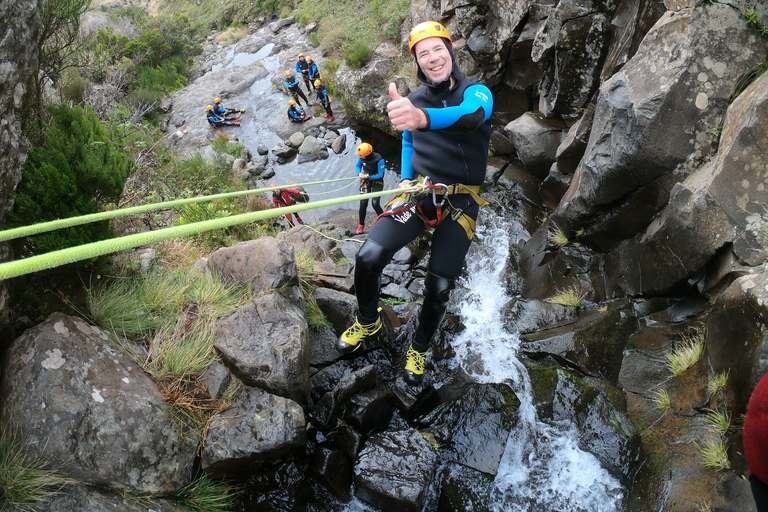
[756, 443]
[282, 197]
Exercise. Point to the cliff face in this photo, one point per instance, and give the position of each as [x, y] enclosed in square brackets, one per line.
[18, 59]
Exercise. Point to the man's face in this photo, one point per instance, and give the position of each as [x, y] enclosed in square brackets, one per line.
[301, 58]
[434, 59]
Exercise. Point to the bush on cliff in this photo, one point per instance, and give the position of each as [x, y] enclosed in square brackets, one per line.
[76, 172]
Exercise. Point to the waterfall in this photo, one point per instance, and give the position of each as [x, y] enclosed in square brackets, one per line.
[542, 468]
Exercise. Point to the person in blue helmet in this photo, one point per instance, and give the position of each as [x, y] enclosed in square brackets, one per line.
[370, 170]
[446, 127]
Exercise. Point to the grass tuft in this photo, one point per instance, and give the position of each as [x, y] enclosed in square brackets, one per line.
[687, 352]
[206, 495]
[557, 237]
[571, 296]
[719, 421]
[717, 383]
[714, 453]
[24, 484]
[306, 267]
[661, 399]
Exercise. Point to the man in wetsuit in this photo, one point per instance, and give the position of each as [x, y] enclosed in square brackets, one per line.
[325, 100]
[302, 68]
[312, 72]
[446, 129]
[370, 170]
[292, 84]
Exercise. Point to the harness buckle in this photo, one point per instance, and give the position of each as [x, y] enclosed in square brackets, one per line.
[456, 213]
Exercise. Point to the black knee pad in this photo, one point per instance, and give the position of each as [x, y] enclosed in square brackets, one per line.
[438, 288]
[372, 257]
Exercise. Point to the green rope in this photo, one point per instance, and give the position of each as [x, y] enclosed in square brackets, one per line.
[44, 227]
[83, 252]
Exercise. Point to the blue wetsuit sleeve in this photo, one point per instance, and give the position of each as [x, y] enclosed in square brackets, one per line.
[406, 169]
[298, 69]
[359, 165]
[474, 110]
[380, 168]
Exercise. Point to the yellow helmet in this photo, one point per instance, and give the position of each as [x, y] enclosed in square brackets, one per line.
[364, 149]
[301, 55]
[209, 107]
[291, 102]
[287, 72]
[217, 100]
[318, 83]
[309, 59]
[425, 30]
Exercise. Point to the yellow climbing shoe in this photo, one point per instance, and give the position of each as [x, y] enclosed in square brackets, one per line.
[351, 339]
[414, 366]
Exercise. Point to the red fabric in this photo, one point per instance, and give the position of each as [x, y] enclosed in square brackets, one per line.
[756, 431]
[284, 199]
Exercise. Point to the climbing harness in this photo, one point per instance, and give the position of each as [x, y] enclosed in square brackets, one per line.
[406, 204]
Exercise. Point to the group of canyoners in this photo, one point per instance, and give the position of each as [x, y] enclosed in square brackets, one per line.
[219, 116]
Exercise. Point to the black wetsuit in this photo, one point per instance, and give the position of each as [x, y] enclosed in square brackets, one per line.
[453, 149]
[374, 166]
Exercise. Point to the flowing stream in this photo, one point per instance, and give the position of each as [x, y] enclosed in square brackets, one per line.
[542, 468]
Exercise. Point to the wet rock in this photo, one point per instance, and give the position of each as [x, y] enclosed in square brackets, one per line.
[280, 488]
[333, 470]
[473, 421]
[326, 411]
[87, 406]
[266, 344]
[536, 140]
[463, 489]
[262, 150]
[594, 343]
[554, 186]
[296, 139]
[257, 429]
[238, 164]
[264, 264]
[404, 457]
[330, 275]
[339, 144]
[604, 429]
[346, 439]
[283, 151]
[312, 149]
[322, 346]
[527, 316]
[370, 410]
[737, 319]
[338, 307]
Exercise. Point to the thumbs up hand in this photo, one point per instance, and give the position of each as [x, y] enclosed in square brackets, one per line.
[402, 113]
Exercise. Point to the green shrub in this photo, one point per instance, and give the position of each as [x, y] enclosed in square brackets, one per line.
[358, 55]
[76, 172]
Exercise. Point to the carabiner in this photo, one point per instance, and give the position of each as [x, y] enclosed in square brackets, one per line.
[435, 188]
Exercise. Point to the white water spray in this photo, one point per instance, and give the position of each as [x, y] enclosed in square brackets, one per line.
[542, 468]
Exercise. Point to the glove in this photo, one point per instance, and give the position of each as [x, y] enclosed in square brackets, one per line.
[363, 176]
